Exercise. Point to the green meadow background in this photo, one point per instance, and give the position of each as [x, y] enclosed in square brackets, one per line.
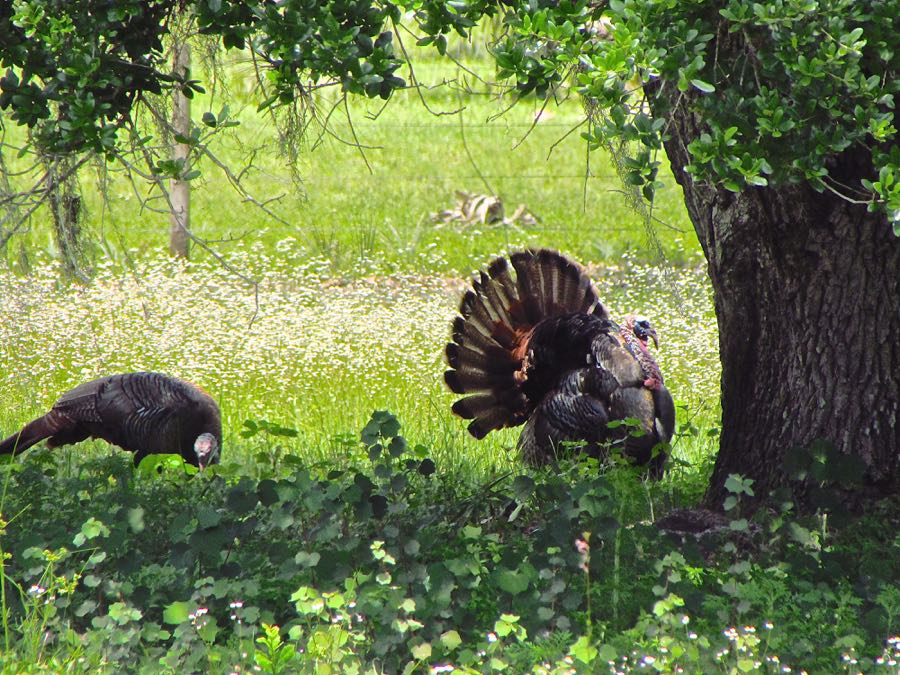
[354, 283]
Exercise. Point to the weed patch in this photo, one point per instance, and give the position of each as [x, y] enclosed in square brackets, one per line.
[394, 564]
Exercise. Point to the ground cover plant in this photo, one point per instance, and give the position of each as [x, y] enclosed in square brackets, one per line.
[387, 548]
[338, 539]
[392, 563]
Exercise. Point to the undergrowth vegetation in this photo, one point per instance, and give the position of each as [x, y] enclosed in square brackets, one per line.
[392, 564]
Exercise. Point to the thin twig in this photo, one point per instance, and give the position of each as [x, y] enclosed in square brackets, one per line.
[846, 198]
[505, 110]
[412, 77]
[559, 140]
[359, 146]
[451, 57]
[158, 182]
[35, 190]
[323, 124]
[534, 122]
[655, 219]
[462, 134]
[374, 116]
[848, 188]
[537, 117]
[203, 148]
[238, 186]
[354, 143]
[587, 171]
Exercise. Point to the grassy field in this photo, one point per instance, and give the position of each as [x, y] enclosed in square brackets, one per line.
[363, 207]
[319, 552]
[357, 283]
[319, 355]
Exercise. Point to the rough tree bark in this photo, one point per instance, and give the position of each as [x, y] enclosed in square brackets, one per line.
[807, 296]
[66, 210]
[9, 207]
[180, 191]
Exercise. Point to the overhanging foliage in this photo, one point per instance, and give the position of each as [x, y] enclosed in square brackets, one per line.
[782, 87]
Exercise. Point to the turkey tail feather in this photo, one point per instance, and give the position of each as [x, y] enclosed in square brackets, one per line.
[490, 337]
[32, 433]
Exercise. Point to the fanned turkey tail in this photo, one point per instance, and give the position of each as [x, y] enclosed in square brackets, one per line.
[490, 337]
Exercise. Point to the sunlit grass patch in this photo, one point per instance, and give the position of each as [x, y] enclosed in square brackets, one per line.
[351, 203]
[318, 354]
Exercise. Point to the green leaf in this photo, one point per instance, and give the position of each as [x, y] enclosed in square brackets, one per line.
[422, 651]
[583, 650]
[607, 653]
[250, 429]
[208, 517]
[801, 535]
[176, 613]
[91, 529]
[523, 487]
[512, 581]
[737, 484]
[397, 446]
[739, 525]
[451, 640]
[306, 559]
[746, 665]
[123, 614]
[703, 86]
[135, 518]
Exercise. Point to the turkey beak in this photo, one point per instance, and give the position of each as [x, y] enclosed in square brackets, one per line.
[652, 334]
[206, 460]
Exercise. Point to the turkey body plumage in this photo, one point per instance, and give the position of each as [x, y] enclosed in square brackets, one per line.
[540, 350]
[145, 413]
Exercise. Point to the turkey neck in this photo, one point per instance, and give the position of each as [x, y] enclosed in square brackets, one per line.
[638, 348]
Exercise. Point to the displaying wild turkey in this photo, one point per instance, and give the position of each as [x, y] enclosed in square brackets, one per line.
[540, 350]
[144, 413]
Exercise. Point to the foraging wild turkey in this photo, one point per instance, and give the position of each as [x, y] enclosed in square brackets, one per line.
[144, 413]
[541, 350]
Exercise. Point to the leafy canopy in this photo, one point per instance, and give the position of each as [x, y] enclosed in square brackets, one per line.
[782, 87]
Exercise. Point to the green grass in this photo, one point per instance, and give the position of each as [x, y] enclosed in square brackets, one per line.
[358, 208]
[359, 286]
[356, 293]
[319, 356]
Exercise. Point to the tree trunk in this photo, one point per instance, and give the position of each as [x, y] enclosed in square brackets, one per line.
[9, 205]
[65, 207]
[807, 296]
[180, 190]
